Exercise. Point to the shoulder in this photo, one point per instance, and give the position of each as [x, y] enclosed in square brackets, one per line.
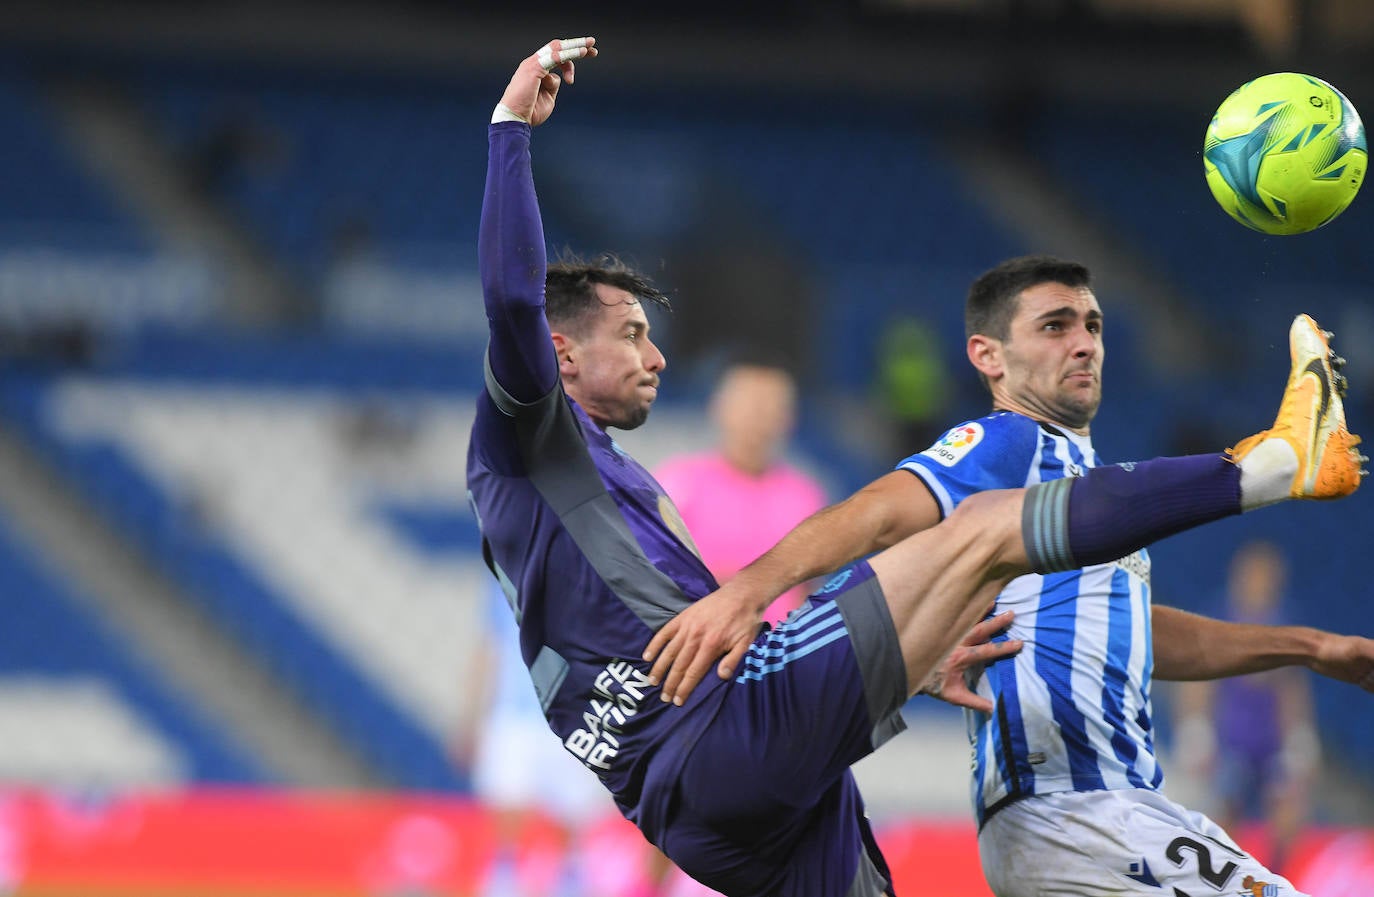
[991, 452]
[1001, 434]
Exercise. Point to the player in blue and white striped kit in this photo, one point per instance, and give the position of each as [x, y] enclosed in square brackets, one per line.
[1065, 782]
[1092, 625]
[745, 782]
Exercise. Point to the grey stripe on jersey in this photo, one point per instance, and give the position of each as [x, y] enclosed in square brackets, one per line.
[502, 578]
[555, 452]
[548, 672]
[879, 654]
[868, 881]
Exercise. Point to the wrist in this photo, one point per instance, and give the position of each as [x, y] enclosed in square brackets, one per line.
[757, 590]
[502, 112]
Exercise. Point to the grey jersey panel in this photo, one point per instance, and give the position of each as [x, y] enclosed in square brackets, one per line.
[548, 672]
[879, 654]
[555, 450]
[868, 881]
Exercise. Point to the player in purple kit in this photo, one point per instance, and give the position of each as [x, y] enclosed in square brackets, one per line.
[745, 781]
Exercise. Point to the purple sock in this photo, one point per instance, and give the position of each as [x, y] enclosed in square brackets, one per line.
[1112, 511]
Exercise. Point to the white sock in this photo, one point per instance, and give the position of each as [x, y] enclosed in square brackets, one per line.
[1266, 473]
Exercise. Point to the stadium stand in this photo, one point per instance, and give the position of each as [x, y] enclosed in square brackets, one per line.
[168, 464]
[79, 710]
[49, 200]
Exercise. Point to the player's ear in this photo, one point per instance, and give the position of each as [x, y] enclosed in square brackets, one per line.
[985, 354]
[563, 348]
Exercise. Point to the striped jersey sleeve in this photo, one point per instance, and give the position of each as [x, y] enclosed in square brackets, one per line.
[993, 452]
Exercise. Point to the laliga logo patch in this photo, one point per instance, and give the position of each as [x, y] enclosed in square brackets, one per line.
[956, 444]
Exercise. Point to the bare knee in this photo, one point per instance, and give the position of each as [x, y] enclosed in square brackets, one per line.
[992, 522]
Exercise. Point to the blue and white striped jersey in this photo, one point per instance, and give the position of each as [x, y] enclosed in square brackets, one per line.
[1072, 710]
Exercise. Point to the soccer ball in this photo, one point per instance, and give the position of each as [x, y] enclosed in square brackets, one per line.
[1285, 153]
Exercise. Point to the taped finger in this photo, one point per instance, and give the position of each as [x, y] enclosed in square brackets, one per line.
[567, 50]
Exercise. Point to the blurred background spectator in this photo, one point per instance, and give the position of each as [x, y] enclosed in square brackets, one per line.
[541, 797]
[740, 497]
[1254, 738]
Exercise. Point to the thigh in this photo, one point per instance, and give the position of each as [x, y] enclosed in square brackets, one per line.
[765, 802]
[1116, 843]
[811, 698]
[826, 850]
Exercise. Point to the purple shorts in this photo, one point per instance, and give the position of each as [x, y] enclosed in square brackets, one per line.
[765, 803]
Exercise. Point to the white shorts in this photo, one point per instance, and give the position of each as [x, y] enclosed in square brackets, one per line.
[521, 764]
[1101, 843]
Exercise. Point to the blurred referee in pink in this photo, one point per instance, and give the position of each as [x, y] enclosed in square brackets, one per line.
[740, 498]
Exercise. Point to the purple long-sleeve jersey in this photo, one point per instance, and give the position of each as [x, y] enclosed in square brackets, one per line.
[573, 527]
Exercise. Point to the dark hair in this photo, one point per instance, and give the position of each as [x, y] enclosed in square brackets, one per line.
[995, 295]
[570, 293]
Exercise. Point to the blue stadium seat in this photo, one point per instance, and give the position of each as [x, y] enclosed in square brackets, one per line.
[50, 199]
[48, 633]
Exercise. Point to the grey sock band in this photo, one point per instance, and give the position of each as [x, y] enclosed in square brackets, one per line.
[1045, 526]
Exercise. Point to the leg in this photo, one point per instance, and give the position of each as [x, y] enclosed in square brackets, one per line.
[765, 802]
[940, 582]
[657, 869]
[1307, 454]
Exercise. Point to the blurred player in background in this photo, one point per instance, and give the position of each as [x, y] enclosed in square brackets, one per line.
[740, 498]
[1065, 784]
[745, 781]
[1253, 739]
[539, 795]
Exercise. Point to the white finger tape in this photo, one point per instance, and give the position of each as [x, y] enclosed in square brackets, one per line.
[570, 48]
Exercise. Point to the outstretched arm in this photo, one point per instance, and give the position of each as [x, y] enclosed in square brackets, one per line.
[510, 242]
[1189, 647]
[722, 625]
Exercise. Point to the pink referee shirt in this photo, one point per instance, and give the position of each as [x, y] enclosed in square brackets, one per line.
[735, 517]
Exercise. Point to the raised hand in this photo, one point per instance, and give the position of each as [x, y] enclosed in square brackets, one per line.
[947, 681]
[533, 89]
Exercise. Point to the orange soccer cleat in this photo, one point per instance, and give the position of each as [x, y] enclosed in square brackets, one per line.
[1311, 419]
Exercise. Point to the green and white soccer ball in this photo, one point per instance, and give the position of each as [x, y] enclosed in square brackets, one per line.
[1285, 153]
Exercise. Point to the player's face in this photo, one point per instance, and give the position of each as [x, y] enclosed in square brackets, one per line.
[1052, 357]
[612, 369]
